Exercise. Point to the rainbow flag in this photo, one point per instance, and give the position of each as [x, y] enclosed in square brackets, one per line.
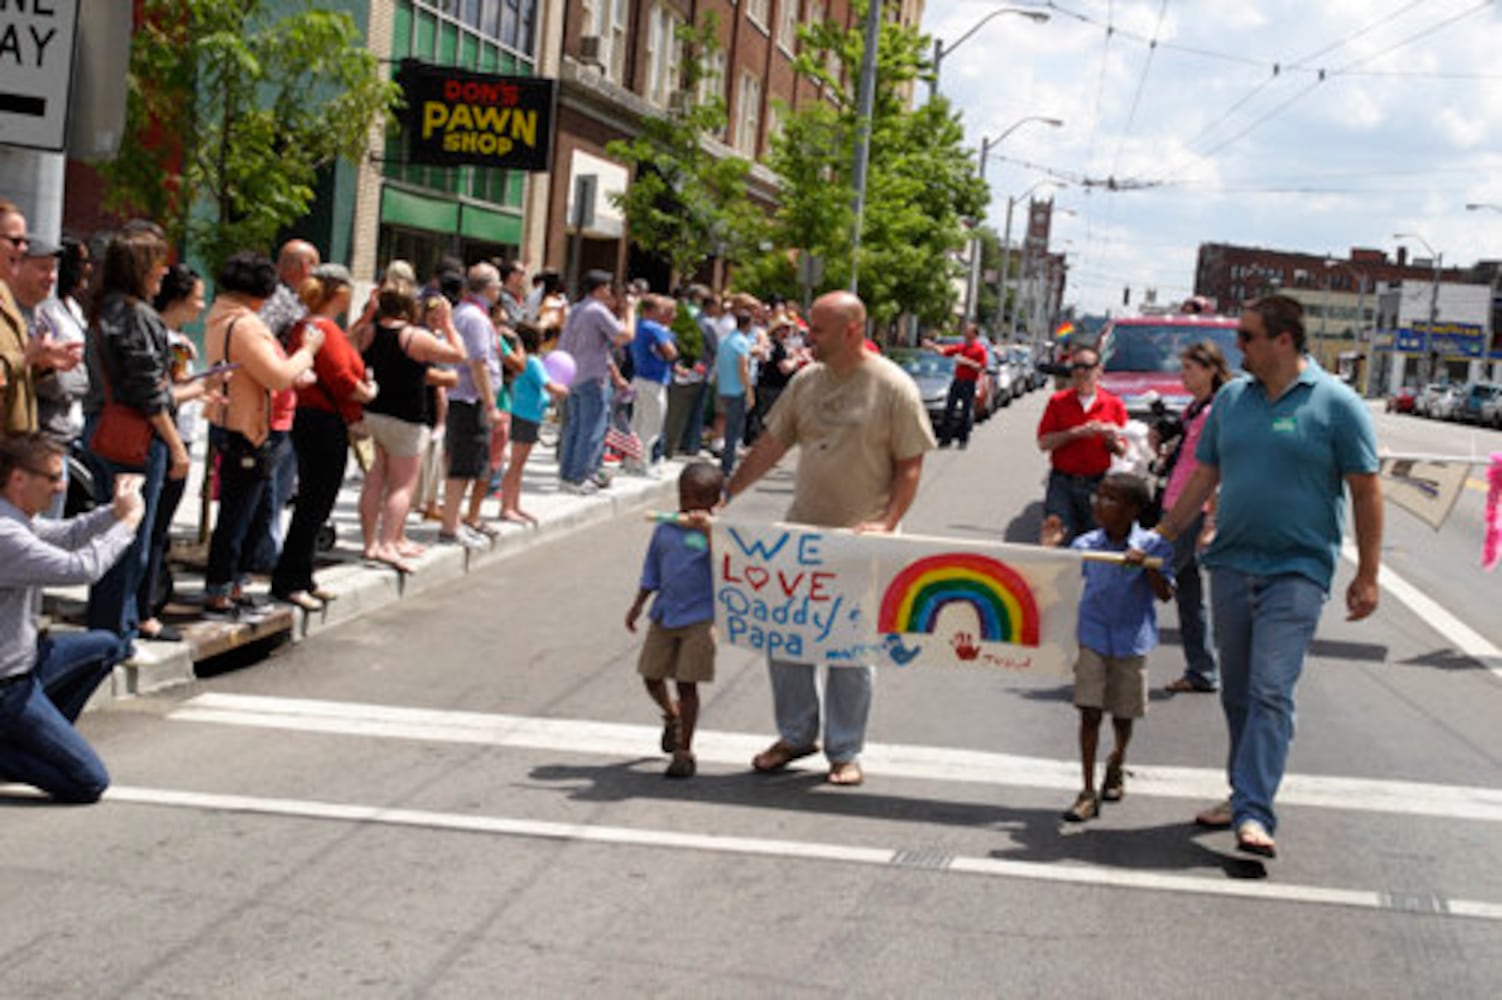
[1065, 331]
[819, 595]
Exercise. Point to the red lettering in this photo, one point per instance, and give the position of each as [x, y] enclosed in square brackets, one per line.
[788, 588]
[452, 90]
[725, 570]
[757, 576]
[816, 582]
[510, 94]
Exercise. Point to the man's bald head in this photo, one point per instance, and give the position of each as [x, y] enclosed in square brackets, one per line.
[837, 329]
[295, 262]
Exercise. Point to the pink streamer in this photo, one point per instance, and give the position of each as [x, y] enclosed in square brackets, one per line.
[1491, 547]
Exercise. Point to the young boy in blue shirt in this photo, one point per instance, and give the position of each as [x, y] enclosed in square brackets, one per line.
[680, 641]
[1118, 627]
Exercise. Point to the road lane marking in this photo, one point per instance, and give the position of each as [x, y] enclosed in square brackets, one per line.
[1071, 873]
[1466, 639]
[623, 740]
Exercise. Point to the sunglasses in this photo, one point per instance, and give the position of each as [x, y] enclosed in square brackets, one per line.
[52, 477]
[19, 242]
[1084, 366]
[1246, 336]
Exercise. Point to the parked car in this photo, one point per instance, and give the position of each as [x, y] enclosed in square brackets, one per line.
[1025, 375]
[1403, 400]
[1478, 403]
[1446, 404]
[1423, 403]
[932, 373]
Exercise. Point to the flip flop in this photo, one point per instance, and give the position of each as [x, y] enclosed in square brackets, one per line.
[779, 755]
[1186, 686]
[1217, 817]
[847, 773]
[1252, 838]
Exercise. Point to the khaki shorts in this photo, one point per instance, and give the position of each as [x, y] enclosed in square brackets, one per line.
[1115, 684]
[400, 438]
[684, 654]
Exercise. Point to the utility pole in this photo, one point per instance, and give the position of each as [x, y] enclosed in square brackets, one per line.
[866, 102]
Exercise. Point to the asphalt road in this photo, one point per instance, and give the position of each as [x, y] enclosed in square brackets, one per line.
[462, 796]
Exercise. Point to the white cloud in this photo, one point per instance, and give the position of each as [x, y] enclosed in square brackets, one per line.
[1354, 160]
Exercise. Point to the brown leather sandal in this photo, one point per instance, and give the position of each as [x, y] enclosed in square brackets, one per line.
[779, 755]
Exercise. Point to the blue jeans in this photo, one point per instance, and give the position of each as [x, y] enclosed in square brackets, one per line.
[735, 429]
[959, 412]
[1070, 498]
[112, 600]
[584, 436]
[847, 707]
[1263, 626]
[693, 427]
[38, 744]
[267, 531]
[242, 491]
[1194, 629]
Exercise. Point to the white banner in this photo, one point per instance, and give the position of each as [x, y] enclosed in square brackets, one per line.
[1426, 489]
[825, 595]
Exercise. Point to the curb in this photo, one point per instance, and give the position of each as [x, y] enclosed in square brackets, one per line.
[363, 588]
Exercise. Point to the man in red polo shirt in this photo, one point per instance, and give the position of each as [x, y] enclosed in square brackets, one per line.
[970, 360]
[1079, 432]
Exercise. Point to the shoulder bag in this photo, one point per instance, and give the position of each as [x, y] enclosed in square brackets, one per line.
[122, 434]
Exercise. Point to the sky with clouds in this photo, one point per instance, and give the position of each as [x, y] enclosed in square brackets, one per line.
[1307, 125]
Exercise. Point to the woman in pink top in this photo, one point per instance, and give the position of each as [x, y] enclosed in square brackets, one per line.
[1202, 367]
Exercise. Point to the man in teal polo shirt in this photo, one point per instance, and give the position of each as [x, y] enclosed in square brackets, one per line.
[1279, 444]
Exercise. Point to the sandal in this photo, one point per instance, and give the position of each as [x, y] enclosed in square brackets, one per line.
[672, 732]
[1086, 806]
[1252, 838]
[301, 599]
[683, 766]
[484, 529]
[846, 773]
[1217, 817]
[323, 594]
[1186, 686]
[1113, 789]
[779, 755]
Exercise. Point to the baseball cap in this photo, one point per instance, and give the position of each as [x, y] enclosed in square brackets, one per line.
[336, 273]
[42, 247]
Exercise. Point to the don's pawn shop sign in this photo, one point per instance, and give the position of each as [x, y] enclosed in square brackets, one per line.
[456, 118]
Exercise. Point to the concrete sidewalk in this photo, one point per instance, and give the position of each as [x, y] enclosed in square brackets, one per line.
[361, 586]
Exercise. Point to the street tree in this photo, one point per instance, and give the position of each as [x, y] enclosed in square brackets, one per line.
[233, 108]
[686, 202]
[921, 184]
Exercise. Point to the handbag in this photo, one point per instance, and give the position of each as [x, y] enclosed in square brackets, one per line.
[122, 434]
[259, 460]
[360, 441]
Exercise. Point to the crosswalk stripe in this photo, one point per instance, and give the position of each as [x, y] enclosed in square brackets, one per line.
[885, 759]
[1078, 874]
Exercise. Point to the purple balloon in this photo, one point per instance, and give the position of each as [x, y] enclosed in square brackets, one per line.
[560, 367]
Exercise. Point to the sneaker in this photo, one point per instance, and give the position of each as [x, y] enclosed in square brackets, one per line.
[1087, 806]
[583, 489]
[1114, 788]
[672, 730]
[601, 480]
[463, 537]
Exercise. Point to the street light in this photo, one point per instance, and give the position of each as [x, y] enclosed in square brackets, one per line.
[941, 50]
[986, 145]
[1476, 206]
[1425, 362]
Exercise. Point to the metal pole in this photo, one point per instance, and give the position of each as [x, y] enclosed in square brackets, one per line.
[866, 102]
[973, 281]
[933, 85]
[1427, 363]
[1006, 266]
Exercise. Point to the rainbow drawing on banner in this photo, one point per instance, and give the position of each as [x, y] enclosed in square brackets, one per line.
[999, 595]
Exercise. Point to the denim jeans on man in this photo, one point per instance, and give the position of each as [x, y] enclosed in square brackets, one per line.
[584, 435]
[1070, 498]
[959, 412]
[735, 429]
[112, 601]
[847, 706]
[1189, 592]
[1263, 627]
[38, 744]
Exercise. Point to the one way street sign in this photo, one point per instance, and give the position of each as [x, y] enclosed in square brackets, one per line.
[36, 71]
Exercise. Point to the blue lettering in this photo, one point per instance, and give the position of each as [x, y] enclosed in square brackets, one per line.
[808, 550]
[757, 547]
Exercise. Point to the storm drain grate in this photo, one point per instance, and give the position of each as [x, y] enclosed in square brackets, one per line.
[922, 858]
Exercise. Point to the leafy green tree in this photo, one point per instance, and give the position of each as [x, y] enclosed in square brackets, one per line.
[233, 108]
[920, 187]
[684, 202]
